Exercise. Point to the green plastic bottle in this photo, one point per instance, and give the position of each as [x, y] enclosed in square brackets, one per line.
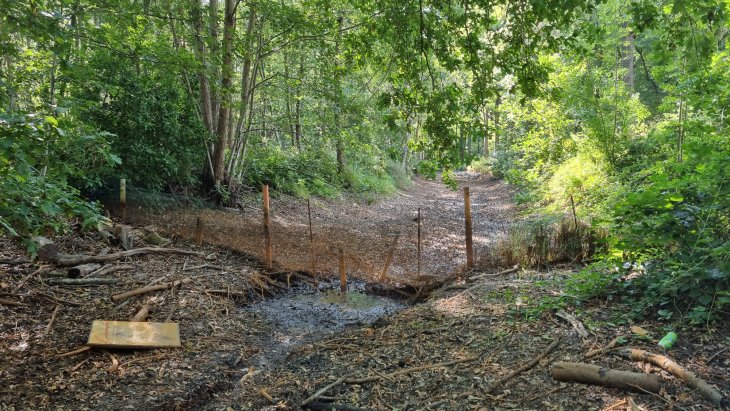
[668, 340]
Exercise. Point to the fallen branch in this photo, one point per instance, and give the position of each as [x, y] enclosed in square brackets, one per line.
[145, 290]
[525, 367]
[577, 325]
[330, 406]
[14, 261]
[593, 374]
[28, 277]
[324, 390]
[409, 370]
[71, 260]
[9, 302]
[81, 281]
[142, 314]
[689, 378]
[488, 275]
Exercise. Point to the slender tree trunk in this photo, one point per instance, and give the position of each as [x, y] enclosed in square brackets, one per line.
[496, 123]
[339, 144]
[298, 106]
[201, 55]
[485, 114]
[214, 51]
[627, 59]
[225, 96]
[245, 91]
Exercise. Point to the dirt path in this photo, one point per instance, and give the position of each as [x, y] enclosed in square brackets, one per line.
[363, 231]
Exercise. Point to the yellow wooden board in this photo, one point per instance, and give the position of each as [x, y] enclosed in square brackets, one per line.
[125, 334]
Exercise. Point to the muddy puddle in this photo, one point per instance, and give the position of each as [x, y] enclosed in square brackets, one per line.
[307, 314]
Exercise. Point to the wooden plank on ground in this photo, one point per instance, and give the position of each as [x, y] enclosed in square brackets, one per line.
[125, 334]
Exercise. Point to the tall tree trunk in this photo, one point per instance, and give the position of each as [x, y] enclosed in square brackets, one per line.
[496, 123]
[298, 106]
[245, 91]
[201, 55]
[485, 114]
[339, 144]
[219, 152]
[627, 60]
[214, 50]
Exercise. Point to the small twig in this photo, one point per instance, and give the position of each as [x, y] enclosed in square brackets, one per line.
[672, 405]
[525, 367]
[115, 362]
[545, 394]
[608, 347]
[53, 318]
[74, 352]
[26, 278]
[716, 354]
[409, 370]
[325, 389]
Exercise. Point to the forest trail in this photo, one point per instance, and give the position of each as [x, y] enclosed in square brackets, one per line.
[363, 231]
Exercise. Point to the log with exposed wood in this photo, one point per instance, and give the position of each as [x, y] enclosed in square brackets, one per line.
[47, 249]
[149, 289]
[593, 374]
[689, 378]
[82, 270]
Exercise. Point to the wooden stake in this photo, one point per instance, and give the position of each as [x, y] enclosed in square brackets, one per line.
[268, 251]
[311, 244]
[467, 229]
[575, 217]
[123, 196]
[199, 231]
[419, 241]
[343, 273]
[389, 258]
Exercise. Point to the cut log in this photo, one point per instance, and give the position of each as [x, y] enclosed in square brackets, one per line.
[689, 378]
[593, 374]
[149, 289]
[142, 314]
[71, 260]
[81, 281]
[82, 270]
[47, 249]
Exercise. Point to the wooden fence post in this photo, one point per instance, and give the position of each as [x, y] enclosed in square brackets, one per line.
[467, 229]
[343, 273]
[123, 196]
[268, 252]
[419, 241]
[311, 244]
[199, 232]
[389, 258]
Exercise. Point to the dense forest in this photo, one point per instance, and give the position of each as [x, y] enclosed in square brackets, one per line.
[616, 106]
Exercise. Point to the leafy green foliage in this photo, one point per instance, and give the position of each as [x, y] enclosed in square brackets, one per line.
[38, 159]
